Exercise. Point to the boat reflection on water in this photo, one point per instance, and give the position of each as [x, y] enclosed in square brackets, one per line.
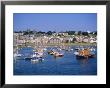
[82, 61]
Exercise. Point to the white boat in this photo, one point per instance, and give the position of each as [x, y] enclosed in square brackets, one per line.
[16, 54]
[71, 49]
[92, 49]
[44, 49]
[34, 50]
[37, 55]
[28, 46]
[34, 55]
[57, 54]
[59, 49]
[77, 48]
[34, 60]
[76, 53]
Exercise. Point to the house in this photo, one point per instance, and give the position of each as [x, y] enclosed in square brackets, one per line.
[93, 40]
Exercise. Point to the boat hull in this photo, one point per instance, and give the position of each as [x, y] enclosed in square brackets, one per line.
[28, 58]
[59, 55]
[84, 57]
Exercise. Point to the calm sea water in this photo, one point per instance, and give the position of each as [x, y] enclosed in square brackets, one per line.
[66, 65]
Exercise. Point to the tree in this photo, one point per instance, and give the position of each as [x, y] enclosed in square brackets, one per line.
[70, 32]
[79, 32]
[49, 33]
[53, 32]
[95, 32]
[85, 33]
[25, 33]
[40, 32]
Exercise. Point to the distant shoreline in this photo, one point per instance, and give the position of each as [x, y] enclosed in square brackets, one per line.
[74, 44]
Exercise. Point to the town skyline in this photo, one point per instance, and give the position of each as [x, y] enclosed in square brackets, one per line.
[58, 22]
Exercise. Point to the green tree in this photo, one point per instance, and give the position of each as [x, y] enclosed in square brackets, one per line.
[79, 32]
[49, 33]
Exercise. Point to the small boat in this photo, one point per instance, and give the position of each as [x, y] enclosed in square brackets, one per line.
[77, 48]
[34, 50]
[44, 49]
[34, 60]
[71, 49]
[81, 54]
[28, 58]
[92, 49]
[37, 59]
[59, 49]
[34, 55]
[51, 52]
[57, 54]
[84, 57]
[17, 55]
[76, 53]
[37, 55]
[28, 46]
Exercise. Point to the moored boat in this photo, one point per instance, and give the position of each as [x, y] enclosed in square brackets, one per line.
[34, 60]
[50, 52]
[57, 54]
[37, 60]
[81, 54]
[27, 58]
[17, 55]
[84, 57]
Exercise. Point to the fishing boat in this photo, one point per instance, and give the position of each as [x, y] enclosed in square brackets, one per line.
[59, 49]
[77, 48]
[17, 54]
[39, 55]
[57, 54]
[44, 49]
[28, 46]
[34, 60]
[34, 50]
[28, 58]
[76, 53]
[51, 52]
[36, 56]
[92, 49]
[71, 49]
[37, 59]
[85, 57]
[81, 54]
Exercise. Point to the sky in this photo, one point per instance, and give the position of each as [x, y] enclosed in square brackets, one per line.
[58, 22]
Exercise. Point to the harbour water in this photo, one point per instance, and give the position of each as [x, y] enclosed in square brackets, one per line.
[66, 65]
